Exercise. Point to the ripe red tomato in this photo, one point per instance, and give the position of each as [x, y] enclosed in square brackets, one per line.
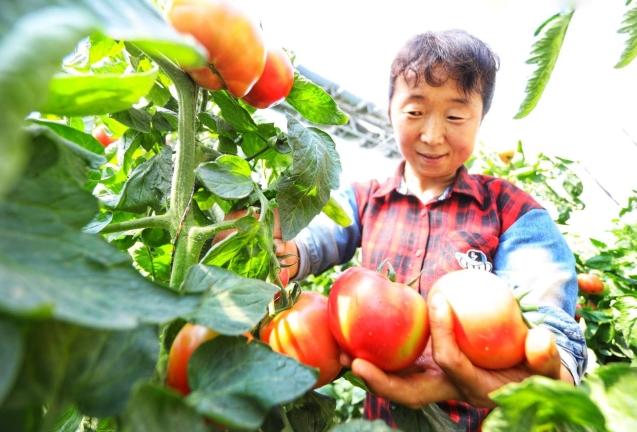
[487, 320]
[236, 50]
[589, 283]
[302, 332]
[372, 318]
[102, 134]
[187, 341]
[275, 83]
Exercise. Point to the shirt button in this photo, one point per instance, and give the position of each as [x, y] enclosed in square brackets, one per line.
[419, 253]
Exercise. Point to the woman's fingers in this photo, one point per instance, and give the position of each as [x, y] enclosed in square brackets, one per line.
[542, 355]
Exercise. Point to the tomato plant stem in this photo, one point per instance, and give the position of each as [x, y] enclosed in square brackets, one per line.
[183, 180]
[198, 235]
[159, 221]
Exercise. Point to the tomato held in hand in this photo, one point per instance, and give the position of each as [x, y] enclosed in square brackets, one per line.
[275, 83]
[589, 283]
[372, 318]
[187, 341]
[104, 137]
[302, 333]
[487, 320]
[233, 39]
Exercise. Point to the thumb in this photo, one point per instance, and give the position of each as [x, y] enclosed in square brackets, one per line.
[542, 355]
[444, 347]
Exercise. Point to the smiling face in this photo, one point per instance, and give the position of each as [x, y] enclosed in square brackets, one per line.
[436, 130]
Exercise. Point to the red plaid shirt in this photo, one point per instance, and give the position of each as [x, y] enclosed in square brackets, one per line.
[463, 228]
[470, 216]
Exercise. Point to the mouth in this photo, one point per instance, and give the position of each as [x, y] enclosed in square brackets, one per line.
[431, 156]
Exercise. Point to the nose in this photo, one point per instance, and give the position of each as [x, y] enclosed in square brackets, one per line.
[432, 131]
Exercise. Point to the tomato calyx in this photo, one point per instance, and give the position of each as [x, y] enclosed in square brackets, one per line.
[526, 308]
[284, 299]
[391, 272]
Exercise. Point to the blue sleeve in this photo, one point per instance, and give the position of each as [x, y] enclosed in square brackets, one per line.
[534, 258]
[324, 243]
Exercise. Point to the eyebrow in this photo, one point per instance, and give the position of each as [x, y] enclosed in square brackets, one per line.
[460, 100]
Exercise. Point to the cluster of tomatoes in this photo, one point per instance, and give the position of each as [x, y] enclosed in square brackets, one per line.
[368, 316]
[238, 58]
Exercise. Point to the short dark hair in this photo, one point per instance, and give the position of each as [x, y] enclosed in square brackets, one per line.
[455, 53]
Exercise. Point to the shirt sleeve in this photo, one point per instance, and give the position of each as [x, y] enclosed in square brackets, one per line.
[324, 243]
[535, 259]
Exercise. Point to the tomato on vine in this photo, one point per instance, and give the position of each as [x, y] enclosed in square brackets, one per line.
[590, 283]
[186, 342]
[233, 39]
[302, 333]
[275, 83]
[103, 135]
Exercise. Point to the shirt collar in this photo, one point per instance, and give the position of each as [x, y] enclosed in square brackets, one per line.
[469, 185]
[463, 184]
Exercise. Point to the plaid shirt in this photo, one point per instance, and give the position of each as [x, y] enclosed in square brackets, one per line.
[478, 222]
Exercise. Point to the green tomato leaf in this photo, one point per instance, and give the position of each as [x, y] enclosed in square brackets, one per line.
[236, 383]
[165, 120]
[26, 68]
[80, 138]
[612, 387]
[92, 369]
[232, 112]
[625, 315]
[21, 419]
[600, 262]
[313, 412]
[159, 95]
[360, 425]
[430, 418]
[629, 27]
[228, 177]
[153, 408]
[135, 118]
[153, 262]
[50, 268]
[102, 46]
[26, 26]
[316, 168]
[149, 184]
[232, 304]
[540, 403]
[83, 95]
[335, 212]
[243, 252]
[10, 355]
[314, 103]
[544, 54]
[136, 21]
[69, 421]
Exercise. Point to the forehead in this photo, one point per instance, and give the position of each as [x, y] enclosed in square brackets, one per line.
[409, 87]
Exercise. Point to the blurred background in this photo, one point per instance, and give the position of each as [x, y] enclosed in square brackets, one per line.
[587, 112]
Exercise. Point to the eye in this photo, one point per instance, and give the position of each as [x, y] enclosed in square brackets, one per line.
[455, 118]
[413, 113]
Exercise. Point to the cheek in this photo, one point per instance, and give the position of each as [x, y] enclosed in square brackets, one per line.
[462, 143]
[405, 137]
